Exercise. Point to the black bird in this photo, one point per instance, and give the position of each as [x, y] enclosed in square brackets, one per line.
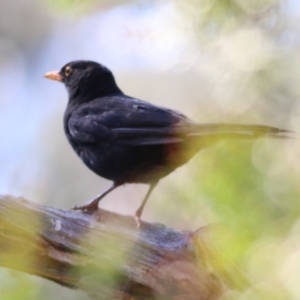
[127, 140]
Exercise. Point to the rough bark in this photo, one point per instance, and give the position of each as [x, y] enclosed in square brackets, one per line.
[105, 254]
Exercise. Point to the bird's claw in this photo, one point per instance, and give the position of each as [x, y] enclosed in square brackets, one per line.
[88, 208]
[137, 220]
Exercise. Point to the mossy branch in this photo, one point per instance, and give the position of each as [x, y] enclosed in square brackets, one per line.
[105, 254]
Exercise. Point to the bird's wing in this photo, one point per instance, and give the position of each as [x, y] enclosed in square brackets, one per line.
[126, 122]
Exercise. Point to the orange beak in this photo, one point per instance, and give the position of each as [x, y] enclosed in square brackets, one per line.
[54, 76]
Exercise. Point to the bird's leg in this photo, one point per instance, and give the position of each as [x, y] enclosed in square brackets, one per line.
[92, 206]
[138, 213]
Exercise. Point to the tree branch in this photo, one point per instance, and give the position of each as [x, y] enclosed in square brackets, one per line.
[105, 254]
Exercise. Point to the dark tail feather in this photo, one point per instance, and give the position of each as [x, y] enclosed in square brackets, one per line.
[238, 131]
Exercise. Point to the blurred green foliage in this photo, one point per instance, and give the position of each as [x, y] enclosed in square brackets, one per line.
[81, 7]
[15, 286]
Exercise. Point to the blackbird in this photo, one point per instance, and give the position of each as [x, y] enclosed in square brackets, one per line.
[127, 140]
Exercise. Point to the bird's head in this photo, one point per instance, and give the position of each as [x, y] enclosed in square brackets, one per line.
[85, 80]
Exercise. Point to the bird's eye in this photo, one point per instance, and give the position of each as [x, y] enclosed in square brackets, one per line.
[68, 71]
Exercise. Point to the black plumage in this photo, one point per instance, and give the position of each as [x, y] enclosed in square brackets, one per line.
[127, 140]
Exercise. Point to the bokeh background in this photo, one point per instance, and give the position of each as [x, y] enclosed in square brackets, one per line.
[214, 60]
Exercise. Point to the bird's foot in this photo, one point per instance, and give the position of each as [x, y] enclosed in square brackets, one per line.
[137, 219]
[89, 207]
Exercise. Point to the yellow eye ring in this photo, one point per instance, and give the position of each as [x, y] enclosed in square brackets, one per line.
[68, 71]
